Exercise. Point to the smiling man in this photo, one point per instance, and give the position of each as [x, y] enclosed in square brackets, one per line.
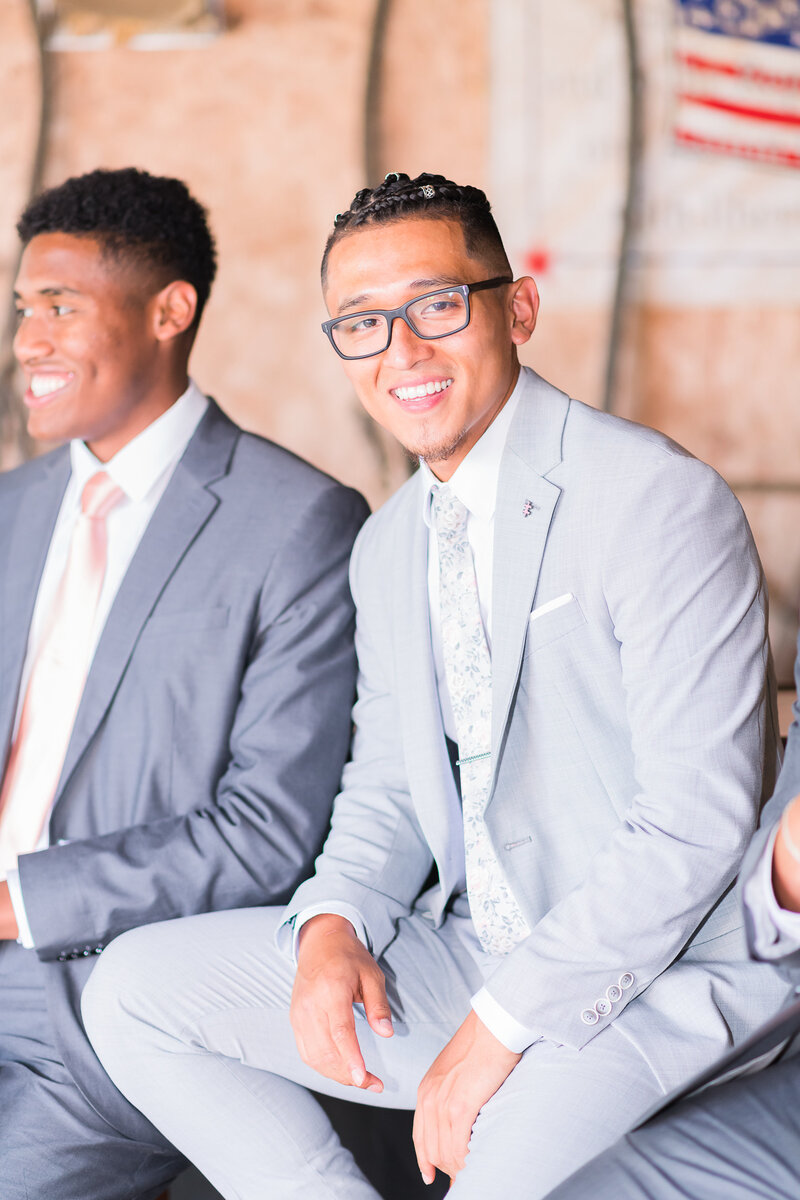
[521, 922]
[176, 665]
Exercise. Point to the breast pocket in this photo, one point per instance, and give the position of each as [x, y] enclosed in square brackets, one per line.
[553, 620]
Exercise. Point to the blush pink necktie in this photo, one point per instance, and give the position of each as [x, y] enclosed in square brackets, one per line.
[57, 679]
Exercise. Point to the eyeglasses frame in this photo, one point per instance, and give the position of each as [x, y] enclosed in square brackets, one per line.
[392, 314]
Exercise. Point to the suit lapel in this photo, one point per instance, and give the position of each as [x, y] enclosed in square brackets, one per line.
[24, 543]
[182, 512]
[430, 777]
[526, 501]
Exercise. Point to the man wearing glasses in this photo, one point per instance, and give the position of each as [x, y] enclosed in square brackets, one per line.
[521, 922]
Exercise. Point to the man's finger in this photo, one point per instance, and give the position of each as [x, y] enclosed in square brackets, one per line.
[376, 1006]
[454, 1139]
[343, 1036]
[426, 1166]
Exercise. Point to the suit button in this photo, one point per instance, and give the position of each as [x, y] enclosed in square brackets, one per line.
[602, 1007]
[62, 958]
[614, 993]
[589, 1016]
[98, 950]
[86, 953]
[626, 981]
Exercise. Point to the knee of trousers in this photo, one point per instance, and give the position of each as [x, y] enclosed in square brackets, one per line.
[124, 989]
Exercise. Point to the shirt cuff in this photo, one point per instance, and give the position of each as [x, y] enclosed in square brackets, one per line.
[287, 934]
[777, 931]
[506, 1029]
[18, 904]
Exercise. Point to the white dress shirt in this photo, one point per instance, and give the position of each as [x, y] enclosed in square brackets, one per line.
[474, 482]
[142, 468]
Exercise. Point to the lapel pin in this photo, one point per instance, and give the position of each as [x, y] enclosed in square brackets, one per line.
[528, 508]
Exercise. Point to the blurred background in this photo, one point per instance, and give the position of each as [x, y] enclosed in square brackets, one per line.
[641, 155]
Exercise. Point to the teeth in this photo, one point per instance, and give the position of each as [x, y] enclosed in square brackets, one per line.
[43, 385]
[424, 389]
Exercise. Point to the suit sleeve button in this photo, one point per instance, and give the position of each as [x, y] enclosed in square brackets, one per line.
[98, 950]
[614, 993]
[62, 957]
[626, 981]
[589, 1016]
[602, 1007]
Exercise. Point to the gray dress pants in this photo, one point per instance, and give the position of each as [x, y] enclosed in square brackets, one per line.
[191, 1020]
[738, 1141]
[54, 1145]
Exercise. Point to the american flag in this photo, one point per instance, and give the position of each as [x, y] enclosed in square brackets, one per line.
[737, 85]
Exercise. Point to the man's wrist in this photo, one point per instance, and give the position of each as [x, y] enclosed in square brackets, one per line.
[500, 1023]
[25, 936]
[786, 859]
[324, 925]
[9, 930]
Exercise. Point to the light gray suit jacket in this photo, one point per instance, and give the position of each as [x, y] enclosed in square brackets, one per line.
[215, 719]
[633, 735]
[787, 788]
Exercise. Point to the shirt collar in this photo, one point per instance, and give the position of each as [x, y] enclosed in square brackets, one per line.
[139, 465]
[475, 480]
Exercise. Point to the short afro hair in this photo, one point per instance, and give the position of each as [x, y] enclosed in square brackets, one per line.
[152, 221]
[399, 198]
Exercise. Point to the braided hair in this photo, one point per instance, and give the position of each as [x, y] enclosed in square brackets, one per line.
[432, 196]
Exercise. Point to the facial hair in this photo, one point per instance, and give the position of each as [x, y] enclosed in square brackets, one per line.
[437, 451]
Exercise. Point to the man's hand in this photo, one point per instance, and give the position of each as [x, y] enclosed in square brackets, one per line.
[334, 971]
[785, 868]
[8, 922]
[466, 1074]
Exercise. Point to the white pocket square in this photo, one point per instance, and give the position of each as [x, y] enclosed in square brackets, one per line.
[550, 605]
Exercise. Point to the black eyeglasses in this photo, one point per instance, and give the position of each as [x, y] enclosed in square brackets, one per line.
[434, 315]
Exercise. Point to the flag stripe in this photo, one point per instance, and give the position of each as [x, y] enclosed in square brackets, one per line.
[783, 158]
[742, 110]
[792, 82]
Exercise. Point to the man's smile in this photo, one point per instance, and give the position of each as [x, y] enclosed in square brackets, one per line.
[43, 385]
[421, 391]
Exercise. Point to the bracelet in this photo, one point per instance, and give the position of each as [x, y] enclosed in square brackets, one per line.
[788, 840]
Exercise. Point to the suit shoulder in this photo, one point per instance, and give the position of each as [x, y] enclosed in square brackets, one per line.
[626, 436]
[263, 465]
[402, 506]
[30, 472]
[617, 449]
[629, 482]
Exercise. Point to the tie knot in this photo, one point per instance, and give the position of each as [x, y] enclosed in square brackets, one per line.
[449, 514]
[100, 495]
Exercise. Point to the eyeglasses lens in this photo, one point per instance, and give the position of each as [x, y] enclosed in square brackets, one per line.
[435, 316]
[429, 316]
[365, 333]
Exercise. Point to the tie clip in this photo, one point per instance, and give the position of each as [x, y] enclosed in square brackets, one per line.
[473, 758]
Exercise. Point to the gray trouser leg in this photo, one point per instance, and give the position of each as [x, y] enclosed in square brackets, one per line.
[53, 1144]
[738, 1141]
[190, 1019]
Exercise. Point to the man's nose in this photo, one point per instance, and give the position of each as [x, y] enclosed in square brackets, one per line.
[406, 348]
[31, 341]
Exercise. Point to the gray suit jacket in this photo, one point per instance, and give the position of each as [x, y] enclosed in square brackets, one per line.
[634, 735]
[215, 719]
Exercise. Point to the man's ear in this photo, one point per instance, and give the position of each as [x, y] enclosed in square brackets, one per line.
[174, 309]
[524, 309]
